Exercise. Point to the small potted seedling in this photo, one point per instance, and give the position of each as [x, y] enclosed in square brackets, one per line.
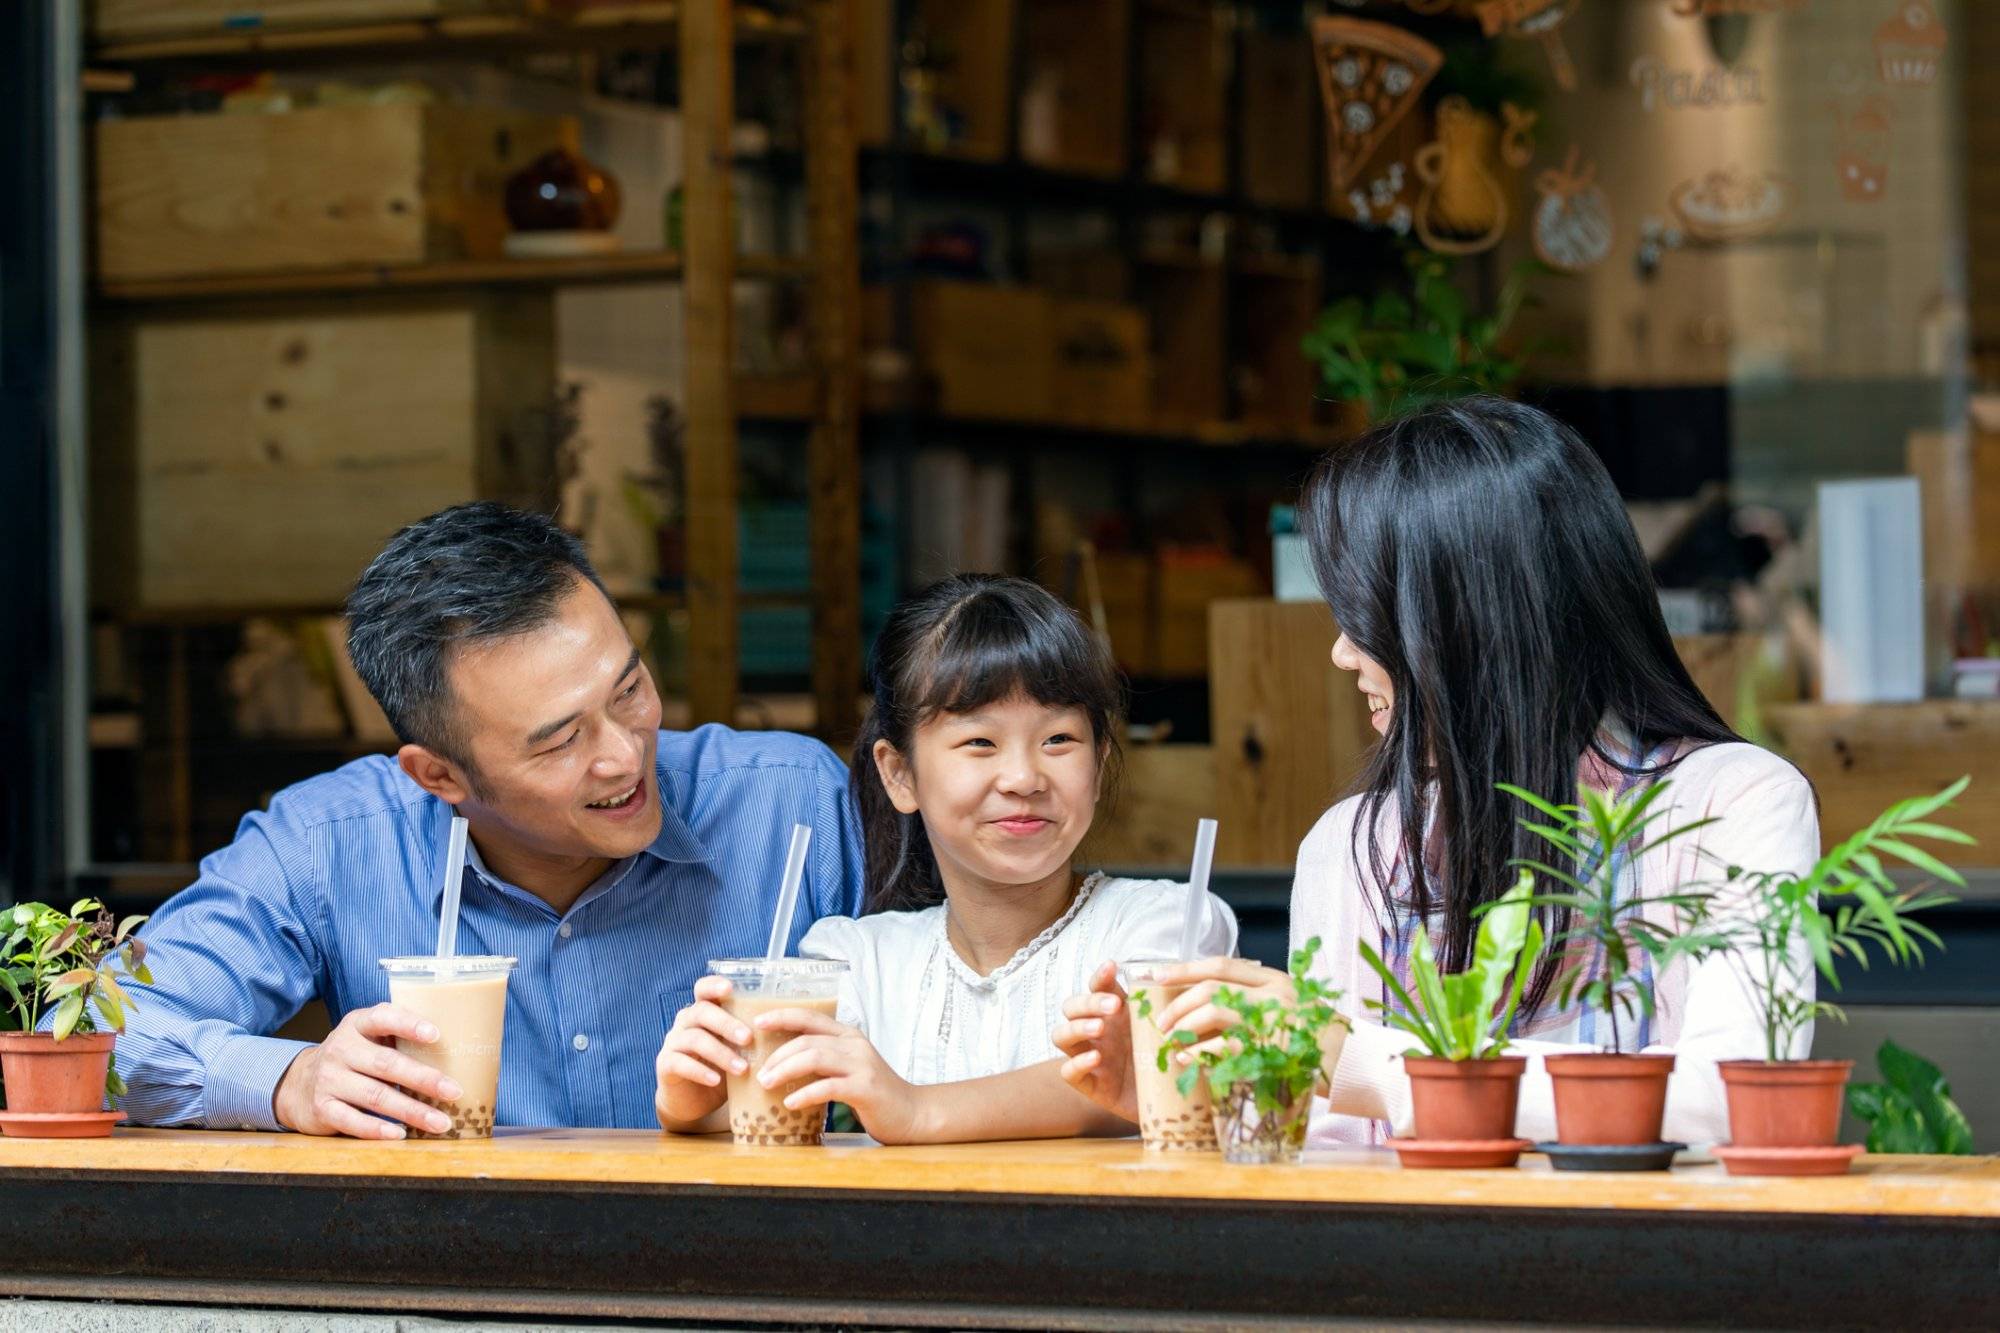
[1613, 944]
[1262, 1069]
[1784, 1113]
[1464, 1087]
[63, 966]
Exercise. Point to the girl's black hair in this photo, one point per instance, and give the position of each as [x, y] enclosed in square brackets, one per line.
[960, 644]
[1479, 552]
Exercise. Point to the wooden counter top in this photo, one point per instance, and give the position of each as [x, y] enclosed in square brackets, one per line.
[1086, 1234]
[1102, 1169]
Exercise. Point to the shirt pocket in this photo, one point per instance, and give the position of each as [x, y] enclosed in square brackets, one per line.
[672, 1002]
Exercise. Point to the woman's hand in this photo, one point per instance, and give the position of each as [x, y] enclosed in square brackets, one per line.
[1097, 1038]
[1195, 1009]
[704, 1044]
[844, 1066]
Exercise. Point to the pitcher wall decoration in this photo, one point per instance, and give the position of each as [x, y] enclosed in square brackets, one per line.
[1462, 209]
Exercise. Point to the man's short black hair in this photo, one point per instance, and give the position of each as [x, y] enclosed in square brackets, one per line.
[471, 573]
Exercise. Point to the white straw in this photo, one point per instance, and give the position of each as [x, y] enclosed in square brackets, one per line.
[1204, 857]
[788, 893]
[454, 880]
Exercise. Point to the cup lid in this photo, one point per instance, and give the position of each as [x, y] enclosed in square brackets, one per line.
[786, 967]
[462, 965]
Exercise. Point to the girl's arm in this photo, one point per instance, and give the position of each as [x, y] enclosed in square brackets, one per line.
[839, 1064]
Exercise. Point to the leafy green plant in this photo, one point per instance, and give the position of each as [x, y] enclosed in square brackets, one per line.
[1845, 902]
[67, 963]
[1270, 1057]
[1911, 1109]
[1398, 353]
[1608, 938]
[1461, 1016]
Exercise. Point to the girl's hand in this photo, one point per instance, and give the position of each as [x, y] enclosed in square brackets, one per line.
[845, 1067]
[703, 1045]
[1097, 1038]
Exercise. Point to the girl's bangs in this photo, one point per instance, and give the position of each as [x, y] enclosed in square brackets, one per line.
[988, 654]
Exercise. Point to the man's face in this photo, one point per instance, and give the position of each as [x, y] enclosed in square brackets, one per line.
[560, 725]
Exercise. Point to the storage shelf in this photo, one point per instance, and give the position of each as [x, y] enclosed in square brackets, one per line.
[451, 36]
[1202, 435]
[582, 270]
[1007, 182]
[195, 617]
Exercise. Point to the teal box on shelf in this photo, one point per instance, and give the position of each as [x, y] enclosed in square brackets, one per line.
[775, 558]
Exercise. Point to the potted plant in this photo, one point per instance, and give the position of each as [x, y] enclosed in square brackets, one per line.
[1784, 1114]
[1910, 1110]
[1398, 353]
[1464, 1088]
[1262, 1071]
[1613, 945]
[63, 966]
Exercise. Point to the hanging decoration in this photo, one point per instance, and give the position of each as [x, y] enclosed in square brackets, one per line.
[1462, 208]
[1909, 45]
[1861, 149]
[1573, 229]
[1540, 19]
[1730, 205]
[1371, 76]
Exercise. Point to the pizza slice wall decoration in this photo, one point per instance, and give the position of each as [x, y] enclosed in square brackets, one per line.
[1371, 76]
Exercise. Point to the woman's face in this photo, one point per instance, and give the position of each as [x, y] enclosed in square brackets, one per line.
[1371, 680]
[1006, 792]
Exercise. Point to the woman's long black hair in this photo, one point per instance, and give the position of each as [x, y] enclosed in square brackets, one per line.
[1479, 552]
[957, 646]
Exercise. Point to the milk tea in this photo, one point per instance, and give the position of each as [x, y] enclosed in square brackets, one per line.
[758, 1115]
[468, 1003]
[1168, 1121]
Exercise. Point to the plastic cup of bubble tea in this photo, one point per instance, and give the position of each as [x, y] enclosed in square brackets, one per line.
[466, 998]
[1169, 1120]
[758, 1115]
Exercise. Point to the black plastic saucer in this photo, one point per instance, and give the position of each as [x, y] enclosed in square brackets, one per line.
[1610, 1156]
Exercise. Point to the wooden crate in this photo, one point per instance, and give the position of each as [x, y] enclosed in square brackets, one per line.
[1126, 585]
[1150, 821]
[261, 457]
[1289, 730]
[329, 187]
[1187, 308]
[1863, 757]
[1276, 132]
[121, 20]
[1187, 583]
[1184, 55]
[1103, 372]
[1073, 56]
[983, 350]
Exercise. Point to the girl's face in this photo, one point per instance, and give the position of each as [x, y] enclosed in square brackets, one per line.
[1006, 792]
[1373, 681]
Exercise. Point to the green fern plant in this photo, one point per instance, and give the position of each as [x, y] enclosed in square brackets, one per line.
[1461, 1016]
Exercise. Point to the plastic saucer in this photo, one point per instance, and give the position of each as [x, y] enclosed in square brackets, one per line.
[1610, 1156]
[1426, 1154]
[1827, 1161]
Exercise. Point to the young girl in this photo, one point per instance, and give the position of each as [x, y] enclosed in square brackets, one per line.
[977, 775]
[1500, 618]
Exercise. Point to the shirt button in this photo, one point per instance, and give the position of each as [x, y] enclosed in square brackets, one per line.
[581, 1042]
[565, 930]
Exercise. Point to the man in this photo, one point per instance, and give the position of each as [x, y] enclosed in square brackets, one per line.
[611, 858]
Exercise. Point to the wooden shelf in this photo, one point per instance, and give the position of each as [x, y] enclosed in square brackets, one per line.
[583, 270]
[196, 617]
[453, 36]
[1186, 434]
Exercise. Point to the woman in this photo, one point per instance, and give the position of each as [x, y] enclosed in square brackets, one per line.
[1500, 617]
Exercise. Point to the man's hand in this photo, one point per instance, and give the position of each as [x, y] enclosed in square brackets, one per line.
[352, 1083]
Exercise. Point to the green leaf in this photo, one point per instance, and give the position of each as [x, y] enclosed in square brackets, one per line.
[67, 1014]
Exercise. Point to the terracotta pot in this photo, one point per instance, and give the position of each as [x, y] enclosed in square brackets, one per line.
[1461, 1100]
[1789, 1104]
[46, 1076]
[1609, 1099]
